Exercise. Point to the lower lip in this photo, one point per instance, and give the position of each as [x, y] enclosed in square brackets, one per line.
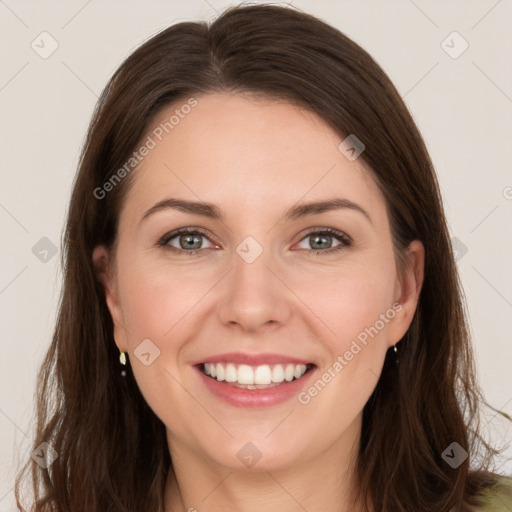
[242, 397]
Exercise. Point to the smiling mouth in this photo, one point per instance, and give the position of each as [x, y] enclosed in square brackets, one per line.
[255, 377]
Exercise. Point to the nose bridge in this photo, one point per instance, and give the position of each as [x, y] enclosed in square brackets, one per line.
[251, 266]
[254, 296]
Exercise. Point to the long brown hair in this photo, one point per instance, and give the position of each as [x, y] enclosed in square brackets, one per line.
[112, 449]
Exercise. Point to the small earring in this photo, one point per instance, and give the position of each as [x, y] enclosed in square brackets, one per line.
[122, 360]
[396, 352]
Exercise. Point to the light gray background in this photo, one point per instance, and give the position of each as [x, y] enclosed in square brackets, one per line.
[463, 107]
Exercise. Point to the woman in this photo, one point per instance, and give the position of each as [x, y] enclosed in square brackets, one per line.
[210, 353]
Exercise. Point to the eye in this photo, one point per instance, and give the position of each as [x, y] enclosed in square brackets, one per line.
[321, 240]
[189, 240]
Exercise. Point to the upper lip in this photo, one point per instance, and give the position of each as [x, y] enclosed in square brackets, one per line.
[251, 359]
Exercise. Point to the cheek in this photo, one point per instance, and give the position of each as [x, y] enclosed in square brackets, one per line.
[158, 306]
[351, 299]
[357, 304]
[359, 317]
[156, 300]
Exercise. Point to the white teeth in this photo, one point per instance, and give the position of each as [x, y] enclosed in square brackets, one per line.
[254, 375]
[288, 373]
[231, 375]
[262, 375]
[278, 373]
[245, 374]
[220, 372]
[297, 373]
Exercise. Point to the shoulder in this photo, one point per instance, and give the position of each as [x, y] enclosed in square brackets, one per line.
[497, 498]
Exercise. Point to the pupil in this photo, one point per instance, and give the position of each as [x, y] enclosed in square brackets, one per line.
[319, 237]
[189, 241]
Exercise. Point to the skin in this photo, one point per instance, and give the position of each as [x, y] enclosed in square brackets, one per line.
[255, 159]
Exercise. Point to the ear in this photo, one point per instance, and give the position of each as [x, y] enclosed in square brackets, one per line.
[105, 275]
[407, 292]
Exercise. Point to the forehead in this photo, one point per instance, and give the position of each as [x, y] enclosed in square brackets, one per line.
[239, 150]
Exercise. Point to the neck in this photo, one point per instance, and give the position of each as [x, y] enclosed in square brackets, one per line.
[196, 483]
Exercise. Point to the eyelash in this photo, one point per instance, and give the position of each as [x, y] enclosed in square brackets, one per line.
[341, 237]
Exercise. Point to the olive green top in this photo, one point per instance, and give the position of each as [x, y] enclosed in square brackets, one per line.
[498, 498]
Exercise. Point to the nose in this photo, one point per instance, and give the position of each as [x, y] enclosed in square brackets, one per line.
[255, 295]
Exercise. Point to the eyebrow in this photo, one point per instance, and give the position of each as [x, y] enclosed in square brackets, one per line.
[211, 211]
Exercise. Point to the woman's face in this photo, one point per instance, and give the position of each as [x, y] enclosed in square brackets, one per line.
[267, 294]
